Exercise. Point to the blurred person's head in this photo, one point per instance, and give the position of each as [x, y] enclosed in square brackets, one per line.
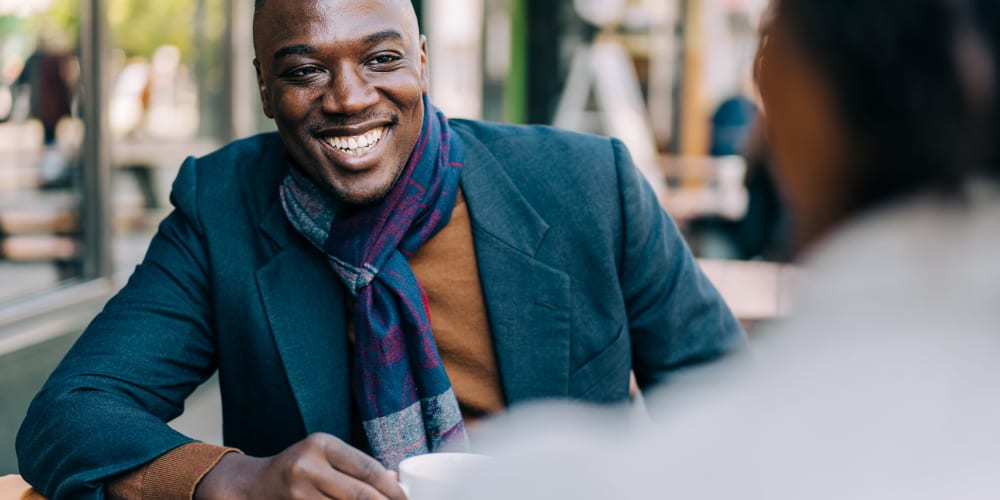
[868, 101]
[344, 82]
[987, 15]
[53, 38]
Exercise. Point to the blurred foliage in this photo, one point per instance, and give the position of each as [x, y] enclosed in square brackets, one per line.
[137, 27]
[61, 19]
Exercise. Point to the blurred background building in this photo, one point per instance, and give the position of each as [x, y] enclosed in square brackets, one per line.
[101, 100]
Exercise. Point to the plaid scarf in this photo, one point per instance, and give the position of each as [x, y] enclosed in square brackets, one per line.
[405, 398]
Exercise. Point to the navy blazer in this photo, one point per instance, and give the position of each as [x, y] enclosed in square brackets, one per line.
[584, 278]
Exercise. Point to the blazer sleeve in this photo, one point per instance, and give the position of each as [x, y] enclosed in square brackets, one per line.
[676, 316]
[104, 409]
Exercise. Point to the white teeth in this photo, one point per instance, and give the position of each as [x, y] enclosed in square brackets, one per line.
[357, 145]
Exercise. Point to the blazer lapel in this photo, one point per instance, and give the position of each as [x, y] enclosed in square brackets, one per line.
[528, 302]
[305, 307]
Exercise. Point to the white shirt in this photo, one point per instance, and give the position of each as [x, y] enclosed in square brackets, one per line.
[884, 383]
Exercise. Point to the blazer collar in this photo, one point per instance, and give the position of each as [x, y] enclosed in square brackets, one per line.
[305, 305]
[275, 225]
[528, 301]
[495, 204]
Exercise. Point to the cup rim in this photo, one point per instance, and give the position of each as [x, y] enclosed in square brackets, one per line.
[410, 461]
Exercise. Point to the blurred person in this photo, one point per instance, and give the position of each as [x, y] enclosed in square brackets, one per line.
[367, 281]
[763, 232]
[147, 98]
[731, 123]
[130, 94]
[50, 74]
[715, 234]
[172, 110]
[47, 72]
[6, 102]
[882, 116]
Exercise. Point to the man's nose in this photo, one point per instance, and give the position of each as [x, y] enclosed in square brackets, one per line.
[349, 93]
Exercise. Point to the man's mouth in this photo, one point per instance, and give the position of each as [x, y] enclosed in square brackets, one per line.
[357, 145]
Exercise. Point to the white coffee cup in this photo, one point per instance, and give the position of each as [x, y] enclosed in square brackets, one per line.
[434, 475]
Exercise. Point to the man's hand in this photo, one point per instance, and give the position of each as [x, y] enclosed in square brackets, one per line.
[320, 466]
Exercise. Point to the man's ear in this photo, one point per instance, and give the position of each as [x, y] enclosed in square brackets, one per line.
[265, 98]
[425, 73]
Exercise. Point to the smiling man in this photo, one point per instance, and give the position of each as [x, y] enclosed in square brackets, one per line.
[368, 282]
[344, 82]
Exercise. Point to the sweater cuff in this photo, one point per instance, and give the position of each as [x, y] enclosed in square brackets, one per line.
[173, 475]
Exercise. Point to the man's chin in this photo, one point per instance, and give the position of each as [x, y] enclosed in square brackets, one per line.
[362, 196]
[359, 201]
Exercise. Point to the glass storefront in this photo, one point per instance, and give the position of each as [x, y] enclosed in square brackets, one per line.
[164, 93]
[41, 145]
[100, 102]
[81, 193]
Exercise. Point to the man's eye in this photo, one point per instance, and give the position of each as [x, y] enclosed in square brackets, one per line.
[385, 59]
[301, 72]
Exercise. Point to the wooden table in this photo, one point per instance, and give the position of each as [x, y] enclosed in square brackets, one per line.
[754, 290]
[12, 487]
[699, 186]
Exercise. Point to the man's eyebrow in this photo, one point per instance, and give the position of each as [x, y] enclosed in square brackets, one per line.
[372, 39]
[383, 36]
[294, 50]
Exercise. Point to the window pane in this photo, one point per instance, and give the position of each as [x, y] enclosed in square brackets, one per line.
[41, 136]
[170, 97]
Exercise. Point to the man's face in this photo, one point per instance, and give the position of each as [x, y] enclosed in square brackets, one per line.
[343, 80]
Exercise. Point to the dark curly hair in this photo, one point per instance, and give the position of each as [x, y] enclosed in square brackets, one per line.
[899, 70]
